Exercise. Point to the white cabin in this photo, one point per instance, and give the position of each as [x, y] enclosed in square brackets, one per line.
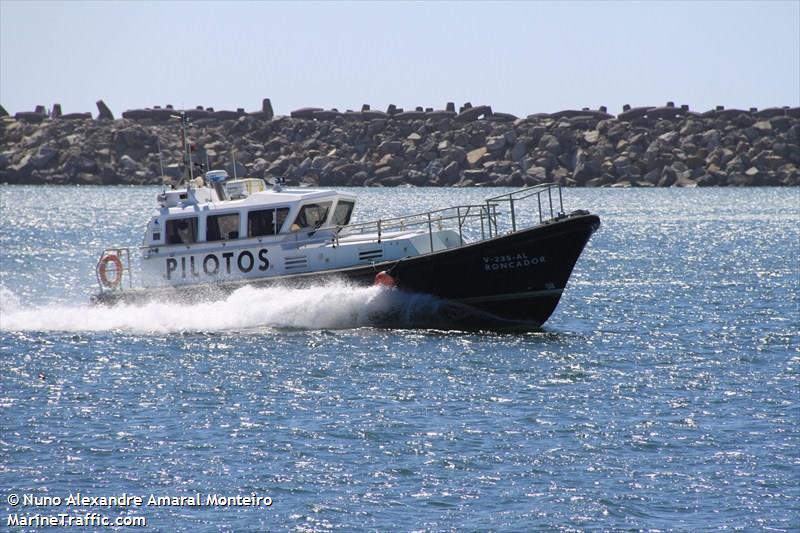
[240, 229]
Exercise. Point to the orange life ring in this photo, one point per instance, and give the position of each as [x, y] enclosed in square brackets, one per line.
[103, 271]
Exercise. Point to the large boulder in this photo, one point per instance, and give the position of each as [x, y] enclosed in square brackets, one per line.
[45, 157]
[474, 156]
[630, 114]
[149, 115]
[304, 112]
[31, 117]
[266, 112]
[103, 112]
[473, 113]
[495, 143]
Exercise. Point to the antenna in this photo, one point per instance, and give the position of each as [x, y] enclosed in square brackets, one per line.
[161, 163]
[233, 156]
[187, 156]
[189, 151]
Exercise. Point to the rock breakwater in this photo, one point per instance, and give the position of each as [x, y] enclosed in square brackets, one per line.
[473, 146]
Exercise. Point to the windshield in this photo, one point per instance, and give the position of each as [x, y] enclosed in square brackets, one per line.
[312, 215]
[341, 215]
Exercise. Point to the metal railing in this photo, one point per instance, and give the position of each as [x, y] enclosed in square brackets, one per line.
[520, 195]
[488, 219]
[456, 218]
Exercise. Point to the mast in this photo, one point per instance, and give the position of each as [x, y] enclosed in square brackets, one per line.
[233, 157]
[161, 165]
[188, 175]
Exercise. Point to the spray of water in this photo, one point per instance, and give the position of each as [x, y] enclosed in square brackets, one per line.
[336, 306]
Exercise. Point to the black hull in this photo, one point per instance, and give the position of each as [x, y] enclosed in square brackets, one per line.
[517, 277]
[511, 281]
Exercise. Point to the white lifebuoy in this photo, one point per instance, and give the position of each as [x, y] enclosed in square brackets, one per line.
[103, 271]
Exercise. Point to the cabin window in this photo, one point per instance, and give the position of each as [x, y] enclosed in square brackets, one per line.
[341, 215]
[266, 221]
[312, 216]
[222, 227]
[182, 230]
[260, 223]
[280, 218]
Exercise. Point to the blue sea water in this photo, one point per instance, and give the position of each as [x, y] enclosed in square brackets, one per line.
[663, 394]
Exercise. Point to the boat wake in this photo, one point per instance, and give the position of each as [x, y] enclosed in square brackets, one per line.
[336, 306]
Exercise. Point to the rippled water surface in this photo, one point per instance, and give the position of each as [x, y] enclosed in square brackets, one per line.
[663, 394]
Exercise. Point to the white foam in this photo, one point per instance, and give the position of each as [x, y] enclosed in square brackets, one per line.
[324, 307]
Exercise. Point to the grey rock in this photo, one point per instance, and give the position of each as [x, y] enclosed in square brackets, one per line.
[376, 126]
[669, 137]
[591, 137]
[29, 116]
[473, 113]
[666, 113]
[279, 166]
[668, 177]
[769, 112]
[128, 163]
[433, 169]
[103, 112]
[781, 123]
[519, 150]
[763, 126]
[451, 172]
[691, 126]
[409, 115]
[85, 178]
[194, 114]
[150, 115]
[739, 180]
[391, 147]
[325, 115]
[383, 172]
[305, 112]
[75, 116]
[266, 109]
[240, 170]
[501, 117]
[495, 143]
[573, 113]
[227, 115]
[712, 139]
[653, 176]
[319, 162]
[476, 176]
[454, 154]
[535, 175]
[45, 155]
[372, 114]
[632, 114]
[550, 143]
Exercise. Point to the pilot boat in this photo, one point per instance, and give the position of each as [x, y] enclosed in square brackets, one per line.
[507, 259]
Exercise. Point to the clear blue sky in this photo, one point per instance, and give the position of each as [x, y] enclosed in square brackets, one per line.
[519, 57]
